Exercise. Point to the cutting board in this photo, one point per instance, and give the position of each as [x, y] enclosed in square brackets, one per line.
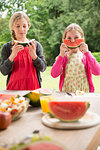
[90, 119]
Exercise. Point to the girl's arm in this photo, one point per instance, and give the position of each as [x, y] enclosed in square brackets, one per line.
[57, 67]
[94, 65]
[6, 64]
[39, 62]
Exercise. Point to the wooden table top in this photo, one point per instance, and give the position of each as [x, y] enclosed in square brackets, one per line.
[82, 139]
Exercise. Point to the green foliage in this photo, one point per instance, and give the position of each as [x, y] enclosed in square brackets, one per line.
[49, 18]
[97, 56]
[1, 45]
[12, 6]
[4, 29]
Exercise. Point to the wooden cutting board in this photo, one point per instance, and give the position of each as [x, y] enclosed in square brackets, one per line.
[90, 119]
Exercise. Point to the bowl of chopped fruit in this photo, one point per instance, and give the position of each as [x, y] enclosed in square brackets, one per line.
[16, 106]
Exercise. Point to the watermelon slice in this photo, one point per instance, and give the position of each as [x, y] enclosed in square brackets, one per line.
[24, 43]
[73, 45]
[68, 111]
[43, 145]
[38, 142]
[6, 96]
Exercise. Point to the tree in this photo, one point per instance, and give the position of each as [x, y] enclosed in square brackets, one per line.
[49, 18]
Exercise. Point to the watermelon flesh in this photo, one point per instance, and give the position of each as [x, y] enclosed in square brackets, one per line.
[6, 96]
[73, 45]
[43, 145]
[68, 111]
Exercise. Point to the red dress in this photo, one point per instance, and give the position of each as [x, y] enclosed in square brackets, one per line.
[23, 76]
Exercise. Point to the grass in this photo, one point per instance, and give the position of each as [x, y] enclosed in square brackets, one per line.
[49, 82]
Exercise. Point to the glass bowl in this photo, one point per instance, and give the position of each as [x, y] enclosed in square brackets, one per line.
[16, 106]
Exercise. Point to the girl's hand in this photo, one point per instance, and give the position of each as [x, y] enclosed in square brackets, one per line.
[63, 49]
[84, 47]
[32, 50]
[15, 49]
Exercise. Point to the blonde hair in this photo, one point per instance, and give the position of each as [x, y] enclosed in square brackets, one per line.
[73, 26]
[15, 17]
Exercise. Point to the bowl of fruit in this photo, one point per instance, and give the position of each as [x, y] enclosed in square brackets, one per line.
[16, 106]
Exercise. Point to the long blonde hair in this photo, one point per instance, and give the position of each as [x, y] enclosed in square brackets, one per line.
[16, 16]
[73, 26]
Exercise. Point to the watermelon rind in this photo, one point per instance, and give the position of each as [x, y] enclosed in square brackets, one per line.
[35, 95]
[35, 140]
[34, 98]
[24, 43]
[52, 114]
[73, 47]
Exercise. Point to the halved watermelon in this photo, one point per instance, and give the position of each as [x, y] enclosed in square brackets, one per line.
[68, 111]
[73, 45]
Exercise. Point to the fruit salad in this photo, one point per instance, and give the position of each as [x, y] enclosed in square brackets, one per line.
[16, 106]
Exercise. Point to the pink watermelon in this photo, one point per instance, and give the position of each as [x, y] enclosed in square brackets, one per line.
[68, 110]
[43, 145]
[73, 45]
[6, 96]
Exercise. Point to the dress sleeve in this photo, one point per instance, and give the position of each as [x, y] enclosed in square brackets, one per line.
[93, 64]
[39, 63]
[6, 64]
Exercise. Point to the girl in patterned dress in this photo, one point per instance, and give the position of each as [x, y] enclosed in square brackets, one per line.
[22, 64]
[75, 66]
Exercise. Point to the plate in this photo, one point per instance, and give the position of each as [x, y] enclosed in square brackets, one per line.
[90, 119]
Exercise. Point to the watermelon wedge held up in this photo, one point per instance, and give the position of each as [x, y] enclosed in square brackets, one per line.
[73, 45]
[68, 111]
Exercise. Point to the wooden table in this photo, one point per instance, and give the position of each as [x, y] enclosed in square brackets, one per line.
[82, 139]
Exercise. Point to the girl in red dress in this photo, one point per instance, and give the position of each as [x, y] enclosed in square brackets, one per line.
[22, 64]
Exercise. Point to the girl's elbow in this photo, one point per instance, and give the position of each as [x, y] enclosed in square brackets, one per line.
[3, 72]
[54, 75]
[96, 73]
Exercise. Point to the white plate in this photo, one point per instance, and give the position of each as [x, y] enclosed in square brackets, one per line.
[90, 119]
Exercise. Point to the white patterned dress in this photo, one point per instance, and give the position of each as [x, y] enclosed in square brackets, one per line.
[75, 74]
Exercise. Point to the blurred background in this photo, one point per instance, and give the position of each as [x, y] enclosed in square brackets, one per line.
[49, 18]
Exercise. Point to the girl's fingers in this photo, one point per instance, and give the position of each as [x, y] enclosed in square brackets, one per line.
[33, 44]
[83, 47]
[82, 43]
[29, 46]
[15, 43]
[18, 46]
[32, 47]
[64, 45]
